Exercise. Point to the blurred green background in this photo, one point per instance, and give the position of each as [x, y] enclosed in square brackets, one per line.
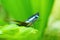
[23, 9]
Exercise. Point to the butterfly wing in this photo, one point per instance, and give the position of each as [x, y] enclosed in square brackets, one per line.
[33, 18]
[28, 22]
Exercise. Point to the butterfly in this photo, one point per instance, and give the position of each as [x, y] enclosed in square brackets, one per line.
[29, 21]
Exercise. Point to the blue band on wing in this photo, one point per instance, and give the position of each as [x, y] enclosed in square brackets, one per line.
[32, 18]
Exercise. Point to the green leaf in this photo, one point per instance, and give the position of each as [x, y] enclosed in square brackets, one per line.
[14, 32]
